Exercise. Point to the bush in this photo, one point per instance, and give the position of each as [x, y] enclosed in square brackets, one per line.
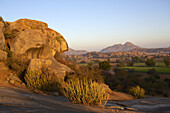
[137, 92]
[105, 65]
[90, 74]
[131, 70]
[150, 62]
[18, 64]
[37, 80]
[167, 61]
[83, 62]
[129, 63]
[151, 71]
[84, 91]
[121, 64]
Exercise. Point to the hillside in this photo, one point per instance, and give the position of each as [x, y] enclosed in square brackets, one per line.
[119, 47]
[75, 52]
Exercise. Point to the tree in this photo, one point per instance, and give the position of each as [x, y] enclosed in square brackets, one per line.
[83, 62]
[121, 64]
[108, 59]
[167, 61]
[129, 63]
[150, 62]
[105, 65]
[135, 59]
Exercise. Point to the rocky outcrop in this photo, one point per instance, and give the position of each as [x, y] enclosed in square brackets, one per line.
[31, 37]
[2, 38]
[34, 40]
[49, 67]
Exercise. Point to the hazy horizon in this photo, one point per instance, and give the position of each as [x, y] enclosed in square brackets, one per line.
[95, 24]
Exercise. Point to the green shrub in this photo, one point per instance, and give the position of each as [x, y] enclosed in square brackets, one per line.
[18, 64]
[121, 64]
[129, 63]
[84, 91]
[167, 61]
[150, 62]
[137, 92]
[37, 80]
[105, 65]
[131, 70]
[83, 62]
[91, 74]
[152, 71]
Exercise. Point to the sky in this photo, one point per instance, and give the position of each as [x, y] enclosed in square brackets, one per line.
[95, 24]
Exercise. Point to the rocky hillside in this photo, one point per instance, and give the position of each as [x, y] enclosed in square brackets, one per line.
[33, 40]
[119, 47]
[75, 52]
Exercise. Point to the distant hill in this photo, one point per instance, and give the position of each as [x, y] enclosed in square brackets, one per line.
[75, 52]
[119, 47]
[152, 50]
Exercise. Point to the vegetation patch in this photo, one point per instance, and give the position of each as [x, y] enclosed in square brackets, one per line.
[84, 91]
[137, 92]
[163, 70]
[37, 80]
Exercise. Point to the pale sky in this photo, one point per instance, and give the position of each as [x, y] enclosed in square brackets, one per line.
[95, 24]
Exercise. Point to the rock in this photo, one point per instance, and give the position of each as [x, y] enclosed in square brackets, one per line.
[14, 77]
[37, 64]
[3, 55]
[11, 81]
[130, 109]
[35, 39]
[2, 38]
[115, 107]
[14, 80]
[49, 66]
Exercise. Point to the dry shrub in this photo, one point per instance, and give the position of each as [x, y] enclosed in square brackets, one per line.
[84, 91]
[37, 80]
[137, 92]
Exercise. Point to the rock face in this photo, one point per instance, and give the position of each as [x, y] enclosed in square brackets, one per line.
[32, 37]
[119, 47]
[3, 57]
[34, 40]
[2, 38]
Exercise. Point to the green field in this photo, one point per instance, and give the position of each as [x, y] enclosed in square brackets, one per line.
[163, 70]
[158, 64]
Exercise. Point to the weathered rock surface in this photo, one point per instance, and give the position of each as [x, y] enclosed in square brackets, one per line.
[3, 55]
[2, 38]
[34, 38]
[49, 66]
[14, 80]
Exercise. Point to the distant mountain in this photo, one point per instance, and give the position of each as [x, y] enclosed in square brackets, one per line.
[119, 47]
[75, 52]
[152, 50]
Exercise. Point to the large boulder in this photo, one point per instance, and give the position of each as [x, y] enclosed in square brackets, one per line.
[34, 40]
[2, 38]
[32, 37]
[49, 66]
